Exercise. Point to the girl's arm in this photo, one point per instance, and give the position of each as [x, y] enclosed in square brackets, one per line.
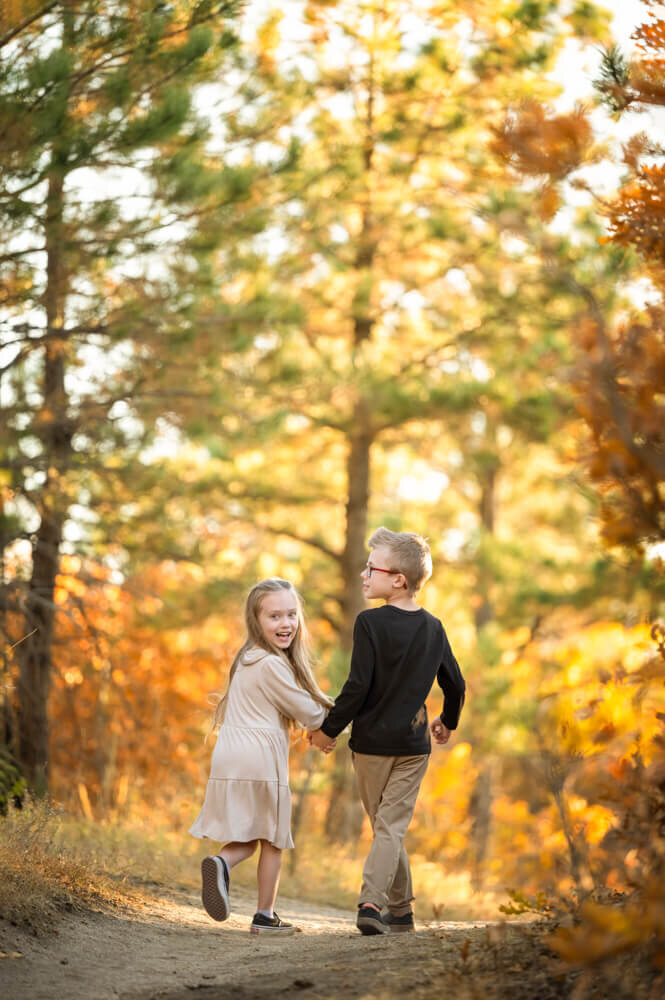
[289, 698]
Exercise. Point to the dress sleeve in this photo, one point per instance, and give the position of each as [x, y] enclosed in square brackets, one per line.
[282, 689]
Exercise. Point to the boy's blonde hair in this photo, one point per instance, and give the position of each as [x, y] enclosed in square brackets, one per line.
[410, 555]
[297, 656]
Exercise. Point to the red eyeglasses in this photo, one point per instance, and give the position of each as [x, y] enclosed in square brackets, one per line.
[377, 569]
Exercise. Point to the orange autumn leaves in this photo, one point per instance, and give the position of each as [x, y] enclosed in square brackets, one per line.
[580, 732]
[620, 375]
[619, 387]
[129, 703]
[536, 143]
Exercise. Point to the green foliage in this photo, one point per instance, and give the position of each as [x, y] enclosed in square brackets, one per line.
[590, 21]
[45, 74]
[613, 79]
[12, 782]
[532, 13]
[115, 215]
[160, 123]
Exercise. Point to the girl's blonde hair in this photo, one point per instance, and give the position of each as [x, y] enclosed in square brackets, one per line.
[297, 656]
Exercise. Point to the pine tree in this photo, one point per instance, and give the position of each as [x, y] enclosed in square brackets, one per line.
[110, 211]
[404, 306]
[395, 228]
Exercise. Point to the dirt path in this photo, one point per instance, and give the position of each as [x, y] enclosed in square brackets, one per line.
[167, 947]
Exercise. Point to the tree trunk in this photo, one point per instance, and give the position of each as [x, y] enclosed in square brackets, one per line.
[344, 818]
[484, 610]
[344, 815]
[35, 651]
[480, 805]
[480, 808]
[354, 555]
[310, 766]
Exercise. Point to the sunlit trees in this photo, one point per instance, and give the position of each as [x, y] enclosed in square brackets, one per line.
[611, 745]
[622, 365]
[427, 322]
[109, 212]
[417, 300]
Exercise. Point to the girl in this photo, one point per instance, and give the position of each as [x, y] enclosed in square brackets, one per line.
[248, 800]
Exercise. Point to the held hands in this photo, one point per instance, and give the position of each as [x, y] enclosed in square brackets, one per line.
[440, 732]
[321, 741]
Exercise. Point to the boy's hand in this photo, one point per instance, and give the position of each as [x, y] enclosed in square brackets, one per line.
[320, 740]
[440, 732]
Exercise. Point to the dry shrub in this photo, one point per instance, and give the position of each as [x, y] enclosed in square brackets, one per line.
[628, 924]
[39, 878]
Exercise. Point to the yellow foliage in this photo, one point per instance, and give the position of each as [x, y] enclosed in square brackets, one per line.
[608, 930]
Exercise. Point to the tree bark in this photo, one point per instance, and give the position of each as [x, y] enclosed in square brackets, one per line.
[344, 817]
[354, 555]
[484, 611]
[480, 805]
[480, 808]
[35, 651]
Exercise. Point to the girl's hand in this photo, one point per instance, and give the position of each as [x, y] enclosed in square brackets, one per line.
[321, 741]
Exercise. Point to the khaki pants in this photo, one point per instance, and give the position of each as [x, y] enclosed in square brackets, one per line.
[388, 788]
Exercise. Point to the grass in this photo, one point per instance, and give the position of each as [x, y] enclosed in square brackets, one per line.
[52, 862]
[41, 877]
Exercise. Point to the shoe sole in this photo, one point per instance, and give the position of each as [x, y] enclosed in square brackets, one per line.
[272, 930]
[368, 925]
[401, 928]
[214, 894]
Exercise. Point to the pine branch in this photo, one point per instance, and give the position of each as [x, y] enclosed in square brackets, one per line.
[25, 23]
[313, 542]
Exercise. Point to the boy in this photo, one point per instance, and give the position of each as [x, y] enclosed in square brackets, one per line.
[398, 651]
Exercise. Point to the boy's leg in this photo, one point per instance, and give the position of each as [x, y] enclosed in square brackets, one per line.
[388, 788]
[400, 895]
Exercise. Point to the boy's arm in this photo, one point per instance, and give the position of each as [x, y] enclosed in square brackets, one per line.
[352, 696]
[451, 682]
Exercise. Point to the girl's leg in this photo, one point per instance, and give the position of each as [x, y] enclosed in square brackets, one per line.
[215, 877]
[236, 852]
[270, 863]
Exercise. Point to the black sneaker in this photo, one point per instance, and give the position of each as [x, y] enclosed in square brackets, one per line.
[399, 925]
[270, 925]
[215, 887]
[370, 921]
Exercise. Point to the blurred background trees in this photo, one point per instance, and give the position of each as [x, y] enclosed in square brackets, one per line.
[109, 215]
[271, 280]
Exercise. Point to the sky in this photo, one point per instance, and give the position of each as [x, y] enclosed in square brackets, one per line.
[627, 15]
[577, 69]
[576, 72]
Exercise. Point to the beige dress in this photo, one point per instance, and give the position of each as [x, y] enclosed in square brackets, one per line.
[248, 795]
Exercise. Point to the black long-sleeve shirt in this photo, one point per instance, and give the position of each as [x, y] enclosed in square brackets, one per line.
[396, 657]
